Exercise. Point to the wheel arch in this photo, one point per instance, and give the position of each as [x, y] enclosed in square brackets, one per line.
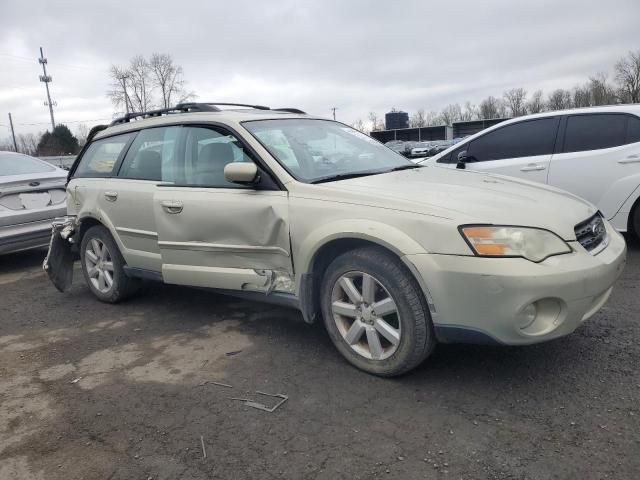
[633, 213]
[334, 245]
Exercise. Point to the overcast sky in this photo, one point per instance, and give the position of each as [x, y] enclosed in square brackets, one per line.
[358, 56]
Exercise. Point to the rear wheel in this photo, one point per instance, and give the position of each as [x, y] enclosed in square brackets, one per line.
[375, 313]
[635, 220]
[103, 266]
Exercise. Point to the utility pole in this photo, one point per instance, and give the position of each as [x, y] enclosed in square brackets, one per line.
[333, 109]
[13, 134]
[46, 79]
[123, 79]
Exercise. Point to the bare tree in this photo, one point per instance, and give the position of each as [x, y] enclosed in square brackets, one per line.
[359, 125]
[28, 143]
[559, 99]
[581, 96]
[515, 100]
[470, 112]
[601, 92]
[141, 84]
[451, 113]
[433, 119]
[132, 86]
[169, 80]
[418, 119]
[490, 108]
[81, 134]
[376, 122]
[536, 103]
[6, 145]
[118, 93]
[627, 72]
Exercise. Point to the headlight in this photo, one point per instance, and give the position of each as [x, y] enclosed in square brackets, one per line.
[531, 243]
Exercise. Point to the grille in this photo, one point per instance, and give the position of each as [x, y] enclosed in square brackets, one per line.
[592, 233]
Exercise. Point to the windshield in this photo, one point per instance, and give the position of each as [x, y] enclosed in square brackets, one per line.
[12, 164]
[322, 150]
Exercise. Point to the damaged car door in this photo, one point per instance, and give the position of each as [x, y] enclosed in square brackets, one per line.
[218, 234]
[127, 197]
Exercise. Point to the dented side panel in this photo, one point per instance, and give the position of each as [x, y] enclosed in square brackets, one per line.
[224, 238]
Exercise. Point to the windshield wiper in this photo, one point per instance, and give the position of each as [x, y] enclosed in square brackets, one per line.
[405, 167]
[344, 176]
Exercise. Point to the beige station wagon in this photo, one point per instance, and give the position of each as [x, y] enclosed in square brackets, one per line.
[279, 206]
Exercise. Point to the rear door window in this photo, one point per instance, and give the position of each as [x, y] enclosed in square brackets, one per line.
[152, 155]
[524, 139]
[595, 131]
[101, 156]
[633, 129]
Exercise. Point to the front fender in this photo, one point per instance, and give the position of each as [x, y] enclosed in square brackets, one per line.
[376, 232]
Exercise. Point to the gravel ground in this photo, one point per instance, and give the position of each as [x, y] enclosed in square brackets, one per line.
[95, 391]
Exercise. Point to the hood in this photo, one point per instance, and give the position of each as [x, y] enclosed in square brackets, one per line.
[467, 197]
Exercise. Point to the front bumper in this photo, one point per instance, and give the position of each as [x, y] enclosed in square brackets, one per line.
[24, 236]
[481, 300]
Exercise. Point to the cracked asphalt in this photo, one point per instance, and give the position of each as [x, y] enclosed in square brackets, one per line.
[96, 391]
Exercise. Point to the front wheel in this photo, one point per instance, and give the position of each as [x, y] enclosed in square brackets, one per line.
[375, 313]
[635, 221]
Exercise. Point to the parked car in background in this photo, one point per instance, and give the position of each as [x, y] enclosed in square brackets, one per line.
[32, 193]
[403, 147]
[593, 153]
[277, 205]
[420, 149]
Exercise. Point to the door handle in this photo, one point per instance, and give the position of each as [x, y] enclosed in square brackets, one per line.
[532, 167]
[172, 206]
[630, 159]
[111, 196]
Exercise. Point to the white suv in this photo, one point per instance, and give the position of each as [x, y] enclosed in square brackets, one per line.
[276, 205]
[591, 152]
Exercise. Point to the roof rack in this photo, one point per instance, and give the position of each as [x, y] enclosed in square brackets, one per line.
[257, 107]
[289, 110]
[194, 107]
[180, 108]
[213, 105]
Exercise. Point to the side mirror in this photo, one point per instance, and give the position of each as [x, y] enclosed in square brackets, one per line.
[245, 173]
[462, 159]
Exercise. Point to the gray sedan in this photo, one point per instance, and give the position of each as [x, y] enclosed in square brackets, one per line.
[32, 193]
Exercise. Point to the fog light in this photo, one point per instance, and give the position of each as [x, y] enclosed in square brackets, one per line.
[528, 316]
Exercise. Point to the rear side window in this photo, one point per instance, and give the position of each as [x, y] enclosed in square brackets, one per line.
[98, 160]
[523, 139]
[595, 131]
[633, 129]
[152, 155]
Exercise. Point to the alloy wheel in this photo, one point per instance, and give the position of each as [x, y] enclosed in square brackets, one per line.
[366, 315]
[99, 265]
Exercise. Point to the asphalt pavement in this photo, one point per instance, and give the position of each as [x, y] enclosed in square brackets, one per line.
[96, 391]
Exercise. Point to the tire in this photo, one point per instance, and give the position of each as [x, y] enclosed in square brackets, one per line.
[103, 270]
[635, 221]
[405, 334]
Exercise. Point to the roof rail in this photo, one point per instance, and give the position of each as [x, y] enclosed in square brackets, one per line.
[257, 107]
[289, 110]
[194, 107]
[214, 104]
[180, 108]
